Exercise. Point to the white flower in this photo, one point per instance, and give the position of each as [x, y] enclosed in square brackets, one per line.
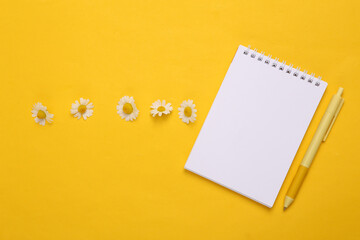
[84, 109]
[127, 108]
[187, 111]
[41, 114]
[160, 107]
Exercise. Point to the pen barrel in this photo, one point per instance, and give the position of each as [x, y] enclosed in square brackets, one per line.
[320, 135]
[321, 131]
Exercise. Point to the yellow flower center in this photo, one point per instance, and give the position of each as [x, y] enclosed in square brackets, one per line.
[188, 111]
[82, 109]
[41, 114]
[161, 109]
[127, 108]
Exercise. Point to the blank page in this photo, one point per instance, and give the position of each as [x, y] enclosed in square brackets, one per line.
[255, 126]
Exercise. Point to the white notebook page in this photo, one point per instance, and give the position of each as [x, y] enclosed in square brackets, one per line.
[254, 128]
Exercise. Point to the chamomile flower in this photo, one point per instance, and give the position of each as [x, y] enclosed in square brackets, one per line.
[41, 114]
[187, 111]
[127, 109]
[83, 108]
[160, 107]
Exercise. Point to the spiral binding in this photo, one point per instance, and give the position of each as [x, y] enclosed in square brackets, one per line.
[289, 69]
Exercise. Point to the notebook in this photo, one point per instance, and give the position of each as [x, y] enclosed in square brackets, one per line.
[255, 125]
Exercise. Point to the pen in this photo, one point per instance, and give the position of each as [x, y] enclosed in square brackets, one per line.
[321, 134]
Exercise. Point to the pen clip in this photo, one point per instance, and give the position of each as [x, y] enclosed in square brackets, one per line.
[335, 116]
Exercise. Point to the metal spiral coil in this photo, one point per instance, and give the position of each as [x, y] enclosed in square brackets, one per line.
[274, 62]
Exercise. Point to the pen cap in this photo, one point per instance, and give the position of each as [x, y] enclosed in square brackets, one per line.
[334, 108]
[340, 91]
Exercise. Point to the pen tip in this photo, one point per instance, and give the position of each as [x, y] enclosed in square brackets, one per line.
[284, 208]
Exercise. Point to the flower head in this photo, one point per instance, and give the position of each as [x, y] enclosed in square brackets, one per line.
[127, 109]
[160, 107]
[187, 111]
[83, 108]
[41, 114]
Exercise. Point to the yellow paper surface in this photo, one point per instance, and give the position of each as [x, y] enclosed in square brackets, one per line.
[105, 178]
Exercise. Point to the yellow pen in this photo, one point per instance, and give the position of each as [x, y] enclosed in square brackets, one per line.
[321, 134]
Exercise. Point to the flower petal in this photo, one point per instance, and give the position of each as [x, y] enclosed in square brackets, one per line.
[90, 105]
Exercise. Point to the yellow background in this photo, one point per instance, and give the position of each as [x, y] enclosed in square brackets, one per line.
[105, 178]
